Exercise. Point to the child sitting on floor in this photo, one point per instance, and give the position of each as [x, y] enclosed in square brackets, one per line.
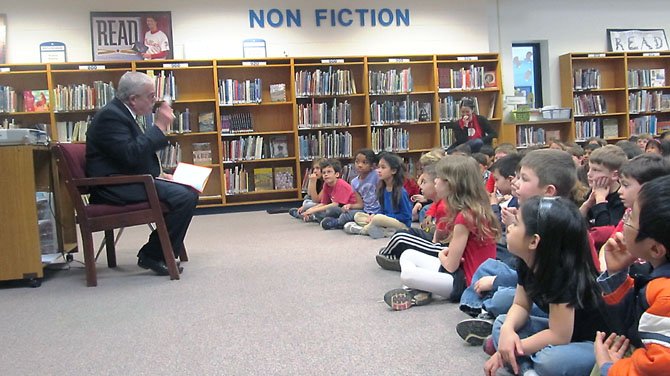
[396, 209]
[640, 305]
[473, 232]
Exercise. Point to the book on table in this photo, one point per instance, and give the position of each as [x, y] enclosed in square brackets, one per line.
[191, 175]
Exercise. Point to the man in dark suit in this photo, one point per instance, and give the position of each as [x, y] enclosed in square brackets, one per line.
[115, 145]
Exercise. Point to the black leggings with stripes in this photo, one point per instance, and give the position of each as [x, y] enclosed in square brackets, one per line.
[404, 240]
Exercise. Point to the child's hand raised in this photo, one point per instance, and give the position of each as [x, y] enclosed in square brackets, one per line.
[508, 215]
[611, 349]
[617, 256]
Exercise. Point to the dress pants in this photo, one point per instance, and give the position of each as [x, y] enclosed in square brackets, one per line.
[181, 200]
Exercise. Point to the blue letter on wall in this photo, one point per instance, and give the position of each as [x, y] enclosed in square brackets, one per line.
[320, 15]
[255, 18]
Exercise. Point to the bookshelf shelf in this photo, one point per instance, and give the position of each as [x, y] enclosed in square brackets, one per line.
[262, 160]
[242, 134]
[191, 134]
[24, 113]
[330, 127]
[626, 81]
[255, 104]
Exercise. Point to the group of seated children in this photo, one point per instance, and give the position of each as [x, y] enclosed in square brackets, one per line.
[375, 203]
[520, 257]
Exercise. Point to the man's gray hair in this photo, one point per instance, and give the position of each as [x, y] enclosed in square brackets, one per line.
[132, 83]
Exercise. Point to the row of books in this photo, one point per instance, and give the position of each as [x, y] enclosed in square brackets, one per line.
[79, 97]
[255, 147]
[238, 92]
[586, 79]
[589, 104]
[264, 179]
[237, 122]
[603, 128]
[71, 131]
[170, 156]
[472, 78]
[164, 84]
[181, 122]
[529, 135]
[648, 124]
[391, 82]
[325, 144]
[390, 139]
[202, 153]
[314, 115]
[8, 99]
[648, 101]
[318, 82]
[646, 78]
[446, 137]
[392, 112]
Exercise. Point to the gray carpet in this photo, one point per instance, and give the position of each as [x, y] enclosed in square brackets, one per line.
[262, 295]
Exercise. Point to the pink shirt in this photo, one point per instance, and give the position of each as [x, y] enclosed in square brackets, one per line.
[341, 193]
[476, 250]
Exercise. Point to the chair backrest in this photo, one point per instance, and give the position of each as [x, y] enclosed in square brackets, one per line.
[72, 162]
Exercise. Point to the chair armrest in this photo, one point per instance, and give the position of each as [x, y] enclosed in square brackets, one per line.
[146, 179]
[113, 180]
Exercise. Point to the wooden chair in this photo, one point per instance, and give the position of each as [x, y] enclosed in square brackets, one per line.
[71, 161]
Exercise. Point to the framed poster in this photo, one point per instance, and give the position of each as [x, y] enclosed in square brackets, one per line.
[3, 38]
[131, 35]
[620, 40]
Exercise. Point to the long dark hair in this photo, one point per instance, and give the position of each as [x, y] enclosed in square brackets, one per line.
[563, 263]
[395, 163]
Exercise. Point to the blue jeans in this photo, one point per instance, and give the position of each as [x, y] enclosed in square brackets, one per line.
[500, 298]
[575, 358]
[346, 217]
[422, 212]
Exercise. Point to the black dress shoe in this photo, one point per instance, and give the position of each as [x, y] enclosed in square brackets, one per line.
[158, 266]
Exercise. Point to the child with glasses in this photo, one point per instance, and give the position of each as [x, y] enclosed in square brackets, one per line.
[556, 273]
[640, 305]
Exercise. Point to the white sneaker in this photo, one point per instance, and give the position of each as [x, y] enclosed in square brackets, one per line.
[353, 228]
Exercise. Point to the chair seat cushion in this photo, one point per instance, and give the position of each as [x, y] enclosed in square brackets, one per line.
[99, 210]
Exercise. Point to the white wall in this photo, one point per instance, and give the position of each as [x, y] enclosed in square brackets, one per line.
[570, 26]
[216, 28]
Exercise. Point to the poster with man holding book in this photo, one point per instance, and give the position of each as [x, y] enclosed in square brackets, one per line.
[131, 35]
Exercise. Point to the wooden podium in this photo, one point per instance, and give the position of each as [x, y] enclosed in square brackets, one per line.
[25, 170]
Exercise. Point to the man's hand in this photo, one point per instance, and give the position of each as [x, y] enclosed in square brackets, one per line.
[164, 117]
[167, 176]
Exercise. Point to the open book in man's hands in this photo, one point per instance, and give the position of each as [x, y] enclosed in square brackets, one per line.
[191, 175]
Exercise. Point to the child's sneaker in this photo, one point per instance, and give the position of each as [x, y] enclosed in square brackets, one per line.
[375, 232]
[488, 346]
[294, 213]
[329, 223]
[401, 299]
[474, 331]
[388, 263]
[353, 228]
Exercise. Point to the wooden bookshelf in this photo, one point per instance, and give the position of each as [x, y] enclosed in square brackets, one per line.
[622, 94]
[487, 94]
[23, 78]
[301, 115]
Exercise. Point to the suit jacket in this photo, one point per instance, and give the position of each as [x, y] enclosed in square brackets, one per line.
[115, 145]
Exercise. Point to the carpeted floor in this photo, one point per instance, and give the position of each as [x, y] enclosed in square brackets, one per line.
[262, 295]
